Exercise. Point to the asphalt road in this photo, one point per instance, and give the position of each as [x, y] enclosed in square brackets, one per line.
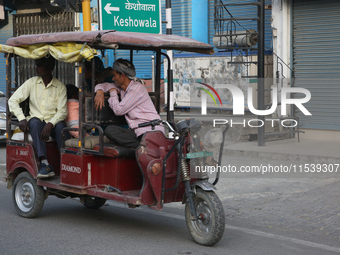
[65, 226]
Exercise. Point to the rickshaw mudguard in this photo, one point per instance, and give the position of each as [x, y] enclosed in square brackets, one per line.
[203, 184]
[20, 156]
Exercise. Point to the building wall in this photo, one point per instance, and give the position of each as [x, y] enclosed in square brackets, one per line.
[188, 72]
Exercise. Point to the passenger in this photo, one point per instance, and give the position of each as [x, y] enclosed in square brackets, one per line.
[102, 74]
[72, 119]
[135, 104]
[47, 103]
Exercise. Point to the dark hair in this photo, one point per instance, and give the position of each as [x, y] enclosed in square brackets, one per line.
[98, 65]
[46, 61]
[72, 91]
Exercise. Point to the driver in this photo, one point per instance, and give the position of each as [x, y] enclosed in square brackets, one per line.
[135, 104]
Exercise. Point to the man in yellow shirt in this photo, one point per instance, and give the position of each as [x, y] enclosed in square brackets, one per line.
[47, 103]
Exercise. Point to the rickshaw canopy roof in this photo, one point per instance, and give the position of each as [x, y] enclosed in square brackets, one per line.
[112, 39]
[69, 52]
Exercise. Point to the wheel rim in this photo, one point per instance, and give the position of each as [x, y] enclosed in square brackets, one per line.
[24, 195]
[90, 200]
[203, 225]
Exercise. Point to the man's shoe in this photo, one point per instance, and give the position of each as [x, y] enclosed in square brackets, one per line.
[45, 171]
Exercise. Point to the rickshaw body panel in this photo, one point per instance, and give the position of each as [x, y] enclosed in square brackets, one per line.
[121, 173]
[154, 148]
[88, 170]
[22, 155]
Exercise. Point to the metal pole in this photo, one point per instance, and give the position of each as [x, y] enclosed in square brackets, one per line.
[260, 70]
[168, 15]
[153, 73]
[158, 78]
[81, 77]
[86, 6]
[8, 92]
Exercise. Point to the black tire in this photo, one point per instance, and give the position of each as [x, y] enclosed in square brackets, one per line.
[28, 197]
[94, 202]
[209, 229]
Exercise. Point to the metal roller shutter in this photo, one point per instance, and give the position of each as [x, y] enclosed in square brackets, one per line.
[316, 61]
[181, 17]
[141, 61]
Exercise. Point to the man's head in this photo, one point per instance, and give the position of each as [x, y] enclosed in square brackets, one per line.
[124, 66]
[98, 67]
[45, 65]
[123, 72]
[72, 91]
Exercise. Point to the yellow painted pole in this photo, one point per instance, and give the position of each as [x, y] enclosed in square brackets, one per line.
[86, 14]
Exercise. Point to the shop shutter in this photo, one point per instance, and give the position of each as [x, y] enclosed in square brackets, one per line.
[316, 61]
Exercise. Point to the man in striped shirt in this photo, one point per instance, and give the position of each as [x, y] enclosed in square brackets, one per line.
[135, 104]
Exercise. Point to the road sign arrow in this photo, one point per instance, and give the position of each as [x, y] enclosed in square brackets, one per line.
[108, 8]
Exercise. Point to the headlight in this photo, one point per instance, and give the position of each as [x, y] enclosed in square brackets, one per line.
[2, 115]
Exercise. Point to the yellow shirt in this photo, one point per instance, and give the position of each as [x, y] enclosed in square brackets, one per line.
[46, 103]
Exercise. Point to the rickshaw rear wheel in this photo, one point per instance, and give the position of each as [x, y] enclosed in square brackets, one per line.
[27, 196]
[94, 202]
[209, 228]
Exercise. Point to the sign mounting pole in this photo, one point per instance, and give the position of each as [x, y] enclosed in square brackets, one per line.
[170, 113]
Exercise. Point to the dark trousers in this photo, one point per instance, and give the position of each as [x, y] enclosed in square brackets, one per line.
[122, 136]
[36, 126]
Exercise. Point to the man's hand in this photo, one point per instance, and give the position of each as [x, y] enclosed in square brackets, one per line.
[45, 133]
[23, 125]
[99, 100]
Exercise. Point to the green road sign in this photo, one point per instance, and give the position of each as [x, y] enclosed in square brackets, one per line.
[142, 16]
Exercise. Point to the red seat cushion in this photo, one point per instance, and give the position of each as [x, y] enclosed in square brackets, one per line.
[116, 151]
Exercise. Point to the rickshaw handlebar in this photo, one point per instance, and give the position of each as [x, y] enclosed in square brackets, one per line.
[150, 123]
[156, 122]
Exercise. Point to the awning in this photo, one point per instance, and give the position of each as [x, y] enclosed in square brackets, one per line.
[69, 52]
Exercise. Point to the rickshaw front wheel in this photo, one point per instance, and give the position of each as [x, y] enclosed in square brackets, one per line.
[94, 202]
[209, 228]
[27, 196]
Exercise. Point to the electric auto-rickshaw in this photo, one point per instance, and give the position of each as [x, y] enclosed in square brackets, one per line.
[92, 168]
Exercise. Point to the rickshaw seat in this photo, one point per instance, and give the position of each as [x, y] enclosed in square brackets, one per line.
[105, 116]
[113, 150]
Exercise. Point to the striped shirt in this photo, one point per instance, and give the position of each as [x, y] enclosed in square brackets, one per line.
[135, 104]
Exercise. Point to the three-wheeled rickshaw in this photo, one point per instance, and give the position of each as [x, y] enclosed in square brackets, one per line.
[94, 169]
